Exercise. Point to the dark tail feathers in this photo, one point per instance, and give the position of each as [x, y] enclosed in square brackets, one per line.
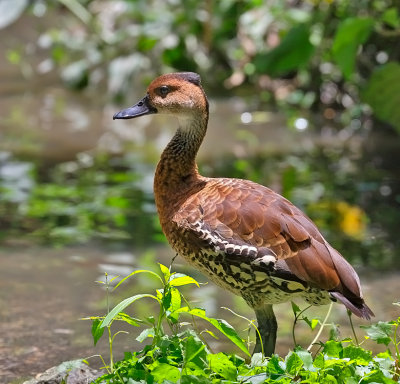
[359, 309]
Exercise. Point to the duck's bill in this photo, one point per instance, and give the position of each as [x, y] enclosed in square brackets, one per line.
[140, 109]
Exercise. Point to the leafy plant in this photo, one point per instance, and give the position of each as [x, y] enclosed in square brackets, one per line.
[300, 55]
[179, 354]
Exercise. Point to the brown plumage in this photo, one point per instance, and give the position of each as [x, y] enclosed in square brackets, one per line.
[242, 235]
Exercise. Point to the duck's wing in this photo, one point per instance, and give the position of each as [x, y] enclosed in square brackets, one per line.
[248, 221]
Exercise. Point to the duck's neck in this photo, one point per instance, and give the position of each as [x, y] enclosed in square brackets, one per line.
[177, 171]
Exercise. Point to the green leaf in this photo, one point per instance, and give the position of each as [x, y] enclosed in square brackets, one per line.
[165, 271]
[273, 366]
[319, 361]
[191, 379]
[293, 363]
[381, 332]
[221, 364]
[137, 272]
[128, 319]
[293, 53]
[120, 307]
[191, 369]
[296, 309]
[306, 358]
[163, 371]
[223, 327]
[359, 355]
[378, 377]
[383, 93]
[333, 348]
[391, 17]
[97, 330]
[311, 323]
[182, 280]
[350, 34]
[194, 351]
[148, 332]
[175, 304]
[329, 379]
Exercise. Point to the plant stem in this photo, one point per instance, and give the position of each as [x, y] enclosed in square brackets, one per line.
[352, 328]
[110, 342]
[321, 328]
[296, 317]
[396, 344]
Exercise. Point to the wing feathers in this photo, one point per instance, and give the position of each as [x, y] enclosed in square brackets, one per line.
[250, 215]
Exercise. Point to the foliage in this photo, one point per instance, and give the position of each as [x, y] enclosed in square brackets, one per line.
[316, 54]
[182, 355]
[76, 201]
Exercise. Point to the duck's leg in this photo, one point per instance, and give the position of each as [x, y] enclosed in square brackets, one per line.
[267, 326]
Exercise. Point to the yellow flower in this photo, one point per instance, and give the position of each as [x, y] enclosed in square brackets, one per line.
[352, 219]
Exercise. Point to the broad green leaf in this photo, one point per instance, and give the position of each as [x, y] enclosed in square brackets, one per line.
[221, 364]
[319, 361]
[383, 93]
[350, 380]
[166, 299]
[148, 332]
[351, 33]
[378, 377]
[259, 378]
[191, 379]
[194, 351]
[163, 371]
[385, 362]
[329, 379]
[137, 272]
[333, 348]
[294, 52]
[273, 366]
[381, 332]
[223, 327]
[359, 355]
[120, 307]
[175, 304]
[182, 280]
[97, 330]
[306, 358]
[293, 363]
[165, 271]
[191, 369]
[128, 319]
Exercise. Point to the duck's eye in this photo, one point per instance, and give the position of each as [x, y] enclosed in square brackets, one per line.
[164, 90]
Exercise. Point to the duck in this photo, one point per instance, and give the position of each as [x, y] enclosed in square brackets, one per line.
[243, 236]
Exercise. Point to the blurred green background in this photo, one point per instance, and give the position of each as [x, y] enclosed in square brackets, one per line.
[305, 98]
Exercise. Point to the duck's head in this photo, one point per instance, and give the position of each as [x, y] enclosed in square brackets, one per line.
[179, 94]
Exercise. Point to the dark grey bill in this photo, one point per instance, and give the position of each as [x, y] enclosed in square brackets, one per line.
[140, 109]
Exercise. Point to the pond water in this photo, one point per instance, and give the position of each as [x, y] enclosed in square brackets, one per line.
[46, 290]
